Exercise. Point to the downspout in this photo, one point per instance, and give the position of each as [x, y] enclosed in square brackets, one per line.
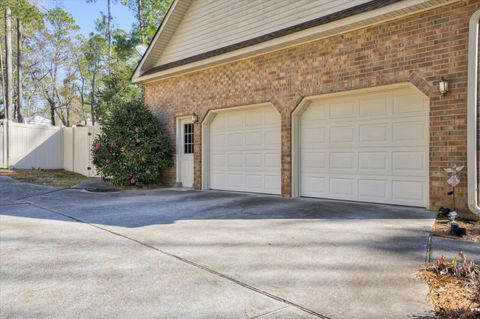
[472, 125]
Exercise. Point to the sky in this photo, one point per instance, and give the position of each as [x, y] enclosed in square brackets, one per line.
[86, 13]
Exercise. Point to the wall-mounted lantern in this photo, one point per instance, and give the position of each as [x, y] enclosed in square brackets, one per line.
[194, 118]
[443, 86]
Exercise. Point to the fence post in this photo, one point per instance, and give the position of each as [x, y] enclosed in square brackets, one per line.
[3, 134]
[6, 143]
[73, 148]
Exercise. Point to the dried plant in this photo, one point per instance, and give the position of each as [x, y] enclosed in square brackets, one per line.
[454, 287]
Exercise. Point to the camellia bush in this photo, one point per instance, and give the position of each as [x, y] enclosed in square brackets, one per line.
[131, 148]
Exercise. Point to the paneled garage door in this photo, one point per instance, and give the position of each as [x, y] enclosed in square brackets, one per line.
[245, 150]
[366, 147]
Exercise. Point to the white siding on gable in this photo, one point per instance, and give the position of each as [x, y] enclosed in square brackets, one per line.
[213, 24]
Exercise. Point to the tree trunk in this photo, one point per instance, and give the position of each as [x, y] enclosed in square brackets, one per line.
[52, 112]
[9, 64]
[68, 117]
[92, 99]
[109, 35]
[3, 76]
[82, 99]
[19, 71]
[140, 21]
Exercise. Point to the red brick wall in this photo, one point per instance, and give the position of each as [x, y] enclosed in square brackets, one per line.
[419, 48]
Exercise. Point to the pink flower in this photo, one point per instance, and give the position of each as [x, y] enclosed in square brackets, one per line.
[137, 141]
[107, 161]
[143, 159]
[129, 177]
[97, 146]
[113, 144]
[131, 154]
[102, 178]
[132, 181]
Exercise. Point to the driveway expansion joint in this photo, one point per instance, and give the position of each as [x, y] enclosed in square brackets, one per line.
[189, 262]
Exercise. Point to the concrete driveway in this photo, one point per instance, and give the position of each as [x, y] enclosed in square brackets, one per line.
[188, 254]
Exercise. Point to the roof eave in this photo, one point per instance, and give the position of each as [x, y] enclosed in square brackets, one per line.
[346, 21]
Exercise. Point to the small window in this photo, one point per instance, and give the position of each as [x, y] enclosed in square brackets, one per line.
[188, 138]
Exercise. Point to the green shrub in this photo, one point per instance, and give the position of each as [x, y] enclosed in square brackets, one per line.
[131, 148]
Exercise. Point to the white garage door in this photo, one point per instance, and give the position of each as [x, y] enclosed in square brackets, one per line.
[366, 147]
[245, 150]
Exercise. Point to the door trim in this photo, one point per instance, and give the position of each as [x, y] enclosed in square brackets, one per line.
[179, 146]
[303, 105]
[206, 137]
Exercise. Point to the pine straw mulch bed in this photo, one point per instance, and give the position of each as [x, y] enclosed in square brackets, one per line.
[454, 287]
[47, 177]
[441, 228]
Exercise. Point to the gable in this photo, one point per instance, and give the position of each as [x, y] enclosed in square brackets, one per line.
[210, 24]
[200, 33]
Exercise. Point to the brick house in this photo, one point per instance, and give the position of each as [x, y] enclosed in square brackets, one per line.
[317, 98]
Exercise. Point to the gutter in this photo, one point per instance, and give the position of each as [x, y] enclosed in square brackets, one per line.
[472, 116]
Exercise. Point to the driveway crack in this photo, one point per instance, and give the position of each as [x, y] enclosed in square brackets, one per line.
[191, 263]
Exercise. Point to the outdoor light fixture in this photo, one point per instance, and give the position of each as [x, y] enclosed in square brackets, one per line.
[443, 86]
[194, 118]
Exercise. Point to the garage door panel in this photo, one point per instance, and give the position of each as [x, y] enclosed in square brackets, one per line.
[272, 182]
[272, 161]
[342, 110]
[254, 138]
[373, 189]
[409, 103]
[374, 133]
[271, 139]
[312, 160]
[314, 186]
[234, 139]
[314, 135]
[234, 121]
[271, 118]
[217, 141]
[251, 151]
[342, 134]
[373, 106]
[234, 161]
[218, 160]
[254, 181]
[373, 148]
[408, 190]
[344, 187]
[316, 111]
[342, 160]
[413, 162]
[409, 133]
[376, 161]
[253, 160]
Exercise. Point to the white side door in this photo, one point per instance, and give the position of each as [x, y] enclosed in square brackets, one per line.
[185, 152]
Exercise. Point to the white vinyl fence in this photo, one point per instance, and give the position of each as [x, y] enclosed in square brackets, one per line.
[47, 147]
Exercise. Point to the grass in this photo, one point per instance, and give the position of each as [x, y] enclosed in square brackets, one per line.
[454, 287]
[47, 177]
